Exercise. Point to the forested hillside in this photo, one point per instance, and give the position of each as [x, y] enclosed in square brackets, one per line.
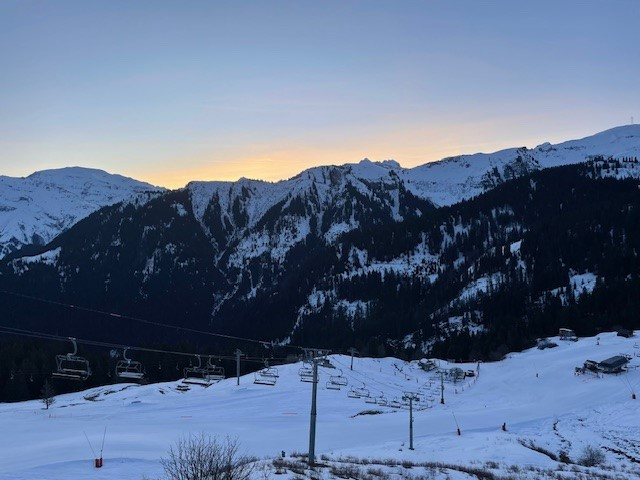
[555, 247]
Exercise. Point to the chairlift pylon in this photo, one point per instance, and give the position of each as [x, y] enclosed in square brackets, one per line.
[71, 366]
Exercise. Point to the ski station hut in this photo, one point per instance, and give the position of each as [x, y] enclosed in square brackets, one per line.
[567, 334]
[427, 364]
[614, 364]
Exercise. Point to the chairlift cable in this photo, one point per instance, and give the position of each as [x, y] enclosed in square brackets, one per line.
[47, 336]
[145, 321]
[350, 374]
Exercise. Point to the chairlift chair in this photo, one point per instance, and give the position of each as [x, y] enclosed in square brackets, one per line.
[361, 391]
[372, 400]
[352, 393]
[325, 362]
[127, 369]
[267, 376]
[395, 403]
[72, 366]
[214, 373]
[339, 380]
[332, 386]
[382, 400]
[306, 375]
[261, 378]
[196, 375]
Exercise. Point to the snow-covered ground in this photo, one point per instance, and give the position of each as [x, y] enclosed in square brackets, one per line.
[546, 408]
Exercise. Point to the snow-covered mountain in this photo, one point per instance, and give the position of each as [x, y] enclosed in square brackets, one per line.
[457, 178]
[352, 245]
[235, 211]
[444, 182]
[37, 208]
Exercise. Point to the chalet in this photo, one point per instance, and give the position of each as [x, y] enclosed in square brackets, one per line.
[546, 343]
[614, 364]
[427, 365]
[623, 332]
[567, 334]
[591, 365]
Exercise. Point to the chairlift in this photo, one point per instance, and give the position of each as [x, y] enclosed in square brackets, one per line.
[382, 400]
[196, 375]
[325, 362]
[306, 375]
[359, 392]
[332, 386]
[372, 400]
[339, 380]
[395, 403]
[267, 376]
[128, 369]
[352, 393]
[72, 366]
[214, 373]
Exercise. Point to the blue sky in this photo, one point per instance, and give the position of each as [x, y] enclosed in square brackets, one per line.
[173, 91]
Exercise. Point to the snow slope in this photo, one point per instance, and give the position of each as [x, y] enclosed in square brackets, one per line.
[536, 394]
[37, 208]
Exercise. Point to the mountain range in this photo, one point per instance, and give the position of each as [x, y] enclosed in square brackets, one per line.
[35, 209]
[469, 257]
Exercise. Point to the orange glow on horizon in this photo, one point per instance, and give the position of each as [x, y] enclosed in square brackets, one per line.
[269, 163]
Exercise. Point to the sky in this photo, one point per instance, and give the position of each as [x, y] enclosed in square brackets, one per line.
[169, 92]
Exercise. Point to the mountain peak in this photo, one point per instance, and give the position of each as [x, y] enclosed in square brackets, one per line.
[37, 208]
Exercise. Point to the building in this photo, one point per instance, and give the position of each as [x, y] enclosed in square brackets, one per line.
[614, 364]
[567, 334]
[623, 332]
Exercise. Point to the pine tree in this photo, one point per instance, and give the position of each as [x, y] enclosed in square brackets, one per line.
[48, 394]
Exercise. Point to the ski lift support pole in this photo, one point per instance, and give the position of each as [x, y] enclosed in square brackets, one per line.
[238, 354]
[314, 394]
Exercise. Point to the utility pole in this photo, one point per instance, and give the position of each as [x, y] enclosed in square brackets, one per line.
[411, 397]
[352, 351]
[410, 423]
[314, 414]
[238, 354]
[442, 387]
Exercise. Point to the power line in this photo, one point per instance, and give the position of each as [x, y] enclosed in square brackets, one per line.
[95, 343]
[145, 321]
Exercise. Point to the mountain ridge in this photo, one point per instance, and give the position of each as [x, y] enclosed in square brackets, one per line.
[37, 208]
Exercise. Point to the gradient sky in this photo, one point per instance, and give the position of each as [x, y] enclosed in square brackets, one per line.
[169, 92]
